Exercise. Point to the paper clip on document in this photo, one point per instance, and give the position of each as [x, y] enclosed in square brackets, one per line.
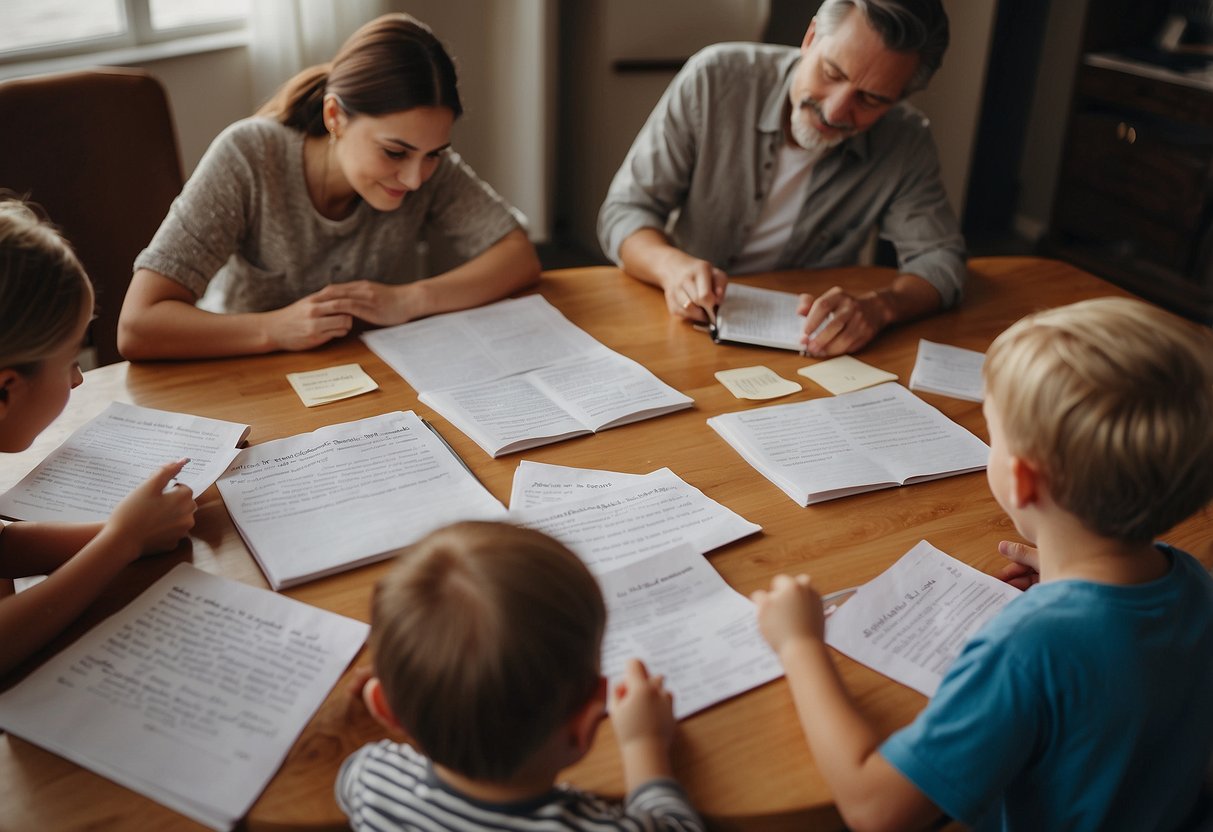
[827, 601]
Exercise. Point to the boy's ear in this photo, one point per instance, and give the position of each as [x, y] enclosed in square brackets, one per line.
[375, 698]
[9, 379]
[1026, 483]
[583, 724]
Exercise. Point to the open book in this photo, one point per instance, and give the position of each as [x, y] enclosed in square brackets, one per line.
[348, 494]
[105, 459]
[764, 317]
[827, 448]
[516, 374]
[191, 695]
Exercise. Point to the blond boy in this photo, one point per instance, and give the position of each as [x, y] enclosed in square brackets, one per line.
[486, 641]
[1085, 704]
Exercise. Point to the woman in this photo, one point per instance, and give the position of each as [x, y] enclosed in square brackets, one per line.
[307, 216]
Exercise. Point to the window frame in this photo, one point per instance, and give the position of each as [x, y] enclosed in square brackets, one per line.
[138, 33]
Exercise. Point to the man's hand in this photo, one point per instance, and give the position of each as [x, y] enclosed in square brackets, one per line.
[839, 322]
[693, 288]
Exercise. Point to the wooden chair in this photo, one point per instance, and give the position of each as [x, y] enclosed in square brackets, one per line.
[98, 151]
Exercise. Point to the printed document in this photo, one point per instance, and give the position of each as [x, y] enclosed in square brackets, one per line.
[951, 371]
[753, 315]
[108, 457]
[516, 374]
[348, 494]
[629, 522]
[911, 621]
[192, 695]
[833, 447]
[673, 611]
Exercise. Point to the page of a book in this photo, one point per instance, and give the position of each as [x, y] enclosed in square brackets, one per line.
[950, 371]
[105, 459]
[911, 621]
[827, 448]
[192, 695]
[348, 494]
[474, 346]
[764, 317]
[593, 391]
[540, 483]
[673, 611]
[611, 530]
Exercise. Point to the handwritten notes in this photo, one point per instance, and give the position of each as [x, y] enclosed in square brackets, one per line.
[949, 370]
[845, 373]
[611, 530]
[192, 695]
[105, 459]
[911, 621]
[675, 612]
[756, 383]
[538, 483]
[331, 384]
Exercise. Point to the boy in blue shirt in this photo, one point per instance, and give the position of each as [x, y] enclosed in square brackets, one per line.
[1085, 703]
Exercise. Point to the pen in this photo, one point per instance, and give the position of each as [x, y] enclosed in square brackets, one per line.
[820, 327]
[442, 439]
[827, 600]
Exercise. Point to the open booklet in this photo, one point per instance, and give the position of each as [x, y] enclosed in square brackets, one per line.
[191, 695]
[105, 459]
[833, 447]
[516, 374]
[764, 317]
[911, 621]
[348, 494]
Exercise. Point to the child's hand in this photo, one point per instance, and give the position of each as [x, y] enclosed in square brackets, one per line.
[1024, 569]
[155, 518]
[641, 708]
[790, 609]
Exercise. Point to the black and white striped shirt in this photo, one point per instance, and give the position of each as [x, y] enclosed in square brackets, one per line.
[388, 786]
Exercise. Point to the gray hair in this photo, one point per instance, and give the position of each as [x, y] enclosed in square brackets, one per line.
[904, 25]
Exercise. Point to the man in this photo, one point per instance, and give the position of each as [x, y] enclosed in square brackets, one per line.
[777, 158]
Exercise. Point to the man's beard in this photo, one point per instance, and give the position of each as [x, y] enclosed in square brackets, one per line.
[809, 137]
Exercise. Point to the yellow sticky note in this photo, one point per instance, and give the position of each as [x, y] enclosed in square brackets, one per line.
[846, 373]
[756, 383]
[331, 384]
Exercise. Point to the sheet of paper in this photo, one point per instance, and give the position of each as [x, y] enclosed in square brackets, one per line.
[602, 389]
[538, 483]
[192, 695]
[331, 384]
[628, 523]
[478, 345]
[831, 447]
[845, 373]
[951, 371]
[911, 621]
[105, 459]
[756, 383]
[348, 494]
[753, 315]
[673, 611]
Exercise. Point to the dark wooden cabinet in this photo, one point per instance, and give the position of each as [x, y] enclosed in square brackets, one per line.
[1134, 198]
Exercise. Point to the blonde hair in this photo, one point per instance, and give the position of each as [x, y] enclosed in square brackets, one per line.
[1113, 399]
[486, 638]
[43, 287]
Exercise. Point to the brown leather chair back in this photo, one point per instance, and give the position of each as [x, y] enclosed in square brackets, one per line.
[98, 151]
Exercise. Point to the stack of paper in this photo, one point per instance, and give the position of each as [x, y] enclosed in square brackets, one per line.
[192, 695]
[827, 448]
[104, 460]
[643, 537]
[764, 317]
[348, 494]
[516, 374]
[949, 370]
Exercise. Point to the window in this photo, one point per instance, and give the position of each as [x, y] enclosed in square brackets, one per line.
[51, 28]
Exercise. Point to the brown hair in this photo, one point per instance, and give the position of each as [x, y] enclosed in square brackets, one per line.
[486, 638]
[43, 287]
[390, 64]
[1113, 399]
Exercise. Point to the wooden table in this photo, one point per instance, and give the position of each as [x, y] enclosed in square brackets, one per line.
[744, 762]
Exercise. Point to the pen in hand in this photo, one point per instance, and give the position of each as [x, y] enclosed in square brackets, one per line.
[817, 331]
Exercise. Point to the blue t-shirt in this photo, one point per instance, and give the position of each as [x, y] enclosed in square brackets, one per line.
[1079, 706]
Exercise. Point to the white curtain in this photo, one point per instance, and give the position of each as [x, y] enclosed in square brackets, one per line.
[288, 35]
